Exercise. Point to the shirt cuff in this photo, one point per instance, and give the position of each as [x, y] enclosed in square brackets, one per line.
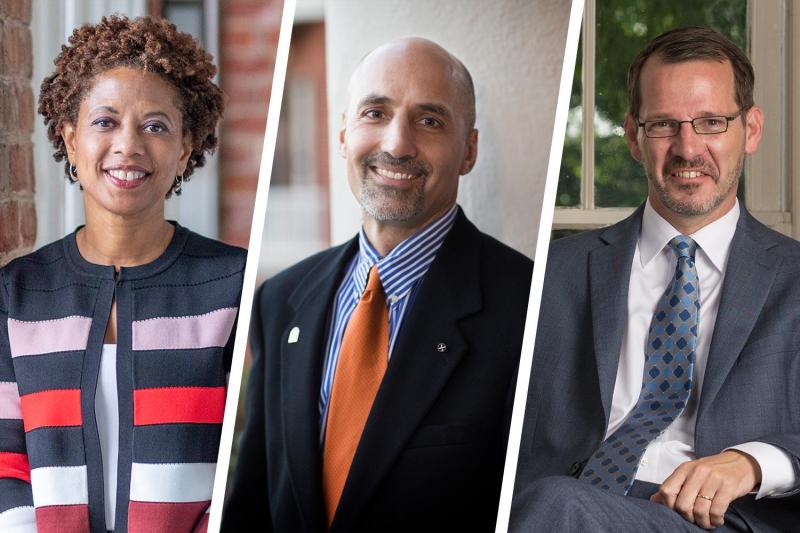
[777, 473]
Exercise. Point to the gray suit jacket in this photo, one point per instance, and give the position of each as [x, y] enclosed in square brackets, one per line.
[751, 389]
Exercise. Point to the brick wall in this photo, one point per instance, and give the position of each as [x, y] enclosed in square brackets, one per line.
[249, 32]
[17, 210]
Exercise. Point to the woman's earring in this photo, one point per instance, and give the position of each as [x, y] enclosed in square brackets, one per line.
[176, 187]
[73, 172]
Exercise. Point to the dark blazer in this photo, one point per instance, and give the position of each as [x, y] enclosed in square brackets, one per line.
[175, 323]
[432, 452]
[751, 389]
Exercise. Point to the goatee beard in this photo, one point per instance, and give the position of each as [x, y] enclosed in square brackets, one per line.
[393, 204]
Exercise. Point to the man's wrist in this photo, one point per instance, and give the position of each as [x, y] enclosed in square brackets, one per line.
[777, 475]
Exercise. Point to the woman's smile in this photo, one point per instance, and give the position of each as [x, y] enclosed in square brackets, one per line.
[126, 176]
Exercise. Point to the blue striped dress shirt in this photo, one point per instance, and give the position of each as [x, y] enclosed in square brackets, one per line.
[400, 272]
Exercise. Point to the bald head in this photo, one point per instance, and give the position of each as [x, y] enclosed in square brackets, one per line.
[408, 136]
[423, 57]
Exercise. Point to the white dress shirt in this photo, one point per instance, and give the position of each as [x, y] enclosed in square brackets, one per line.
[652, 270]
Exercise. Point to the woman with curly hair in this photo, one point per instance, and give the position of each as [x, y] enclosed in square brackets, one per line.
[115, 340]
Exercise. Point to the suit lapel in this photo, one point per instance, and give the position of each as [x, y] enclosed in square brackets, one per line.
[609, 277]
[749, 275]
[417, 371]
[301, 378]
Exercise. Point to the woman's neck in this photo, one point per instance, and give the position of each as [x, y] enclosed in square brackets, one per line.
[113, 240]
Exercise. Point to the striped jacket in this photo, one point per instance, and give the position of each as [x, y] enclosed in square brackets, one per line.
[175, 323]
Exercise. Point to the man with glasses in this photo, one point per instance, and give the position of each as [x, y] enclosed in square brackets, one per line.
[666, 372]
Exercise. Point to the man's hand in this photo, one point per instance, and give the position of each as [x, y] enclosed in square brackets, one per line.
[701, 490]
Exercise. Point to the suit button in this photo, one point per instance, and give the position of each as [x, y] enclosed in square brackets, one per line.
[574, 469]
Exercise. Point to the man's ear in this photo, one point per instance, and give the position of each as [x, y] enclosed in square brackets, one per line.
[632, 137]
[470, 154]
[342, 135]
[754, 126]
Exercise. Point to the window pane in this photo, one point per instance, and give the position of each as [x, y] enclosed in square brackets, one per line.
[623, 28]
[187, 16]
[569, 180]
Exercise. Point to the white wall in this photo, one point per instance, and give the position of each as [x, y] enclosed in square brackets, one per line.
[514, 50]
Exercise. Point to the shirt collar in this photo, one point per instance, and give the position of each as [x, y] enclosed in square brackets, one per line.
[713, 239]
[407, 262]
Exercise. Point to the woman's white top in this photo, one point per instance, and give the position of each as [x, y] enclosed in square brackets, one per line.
[106, 406]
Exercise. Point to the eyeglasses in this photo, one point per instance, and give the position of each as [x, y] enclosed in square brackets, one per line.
[702, 126]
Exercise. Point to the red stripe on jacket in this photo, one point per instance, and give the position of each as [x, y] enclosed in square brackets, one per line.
[62, 519]
[158, 517]
[15, 465]
[174, 405]
[51, 408]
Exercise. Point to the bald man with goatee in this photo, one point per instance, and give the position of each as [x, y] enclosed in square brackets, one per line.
[382, 384]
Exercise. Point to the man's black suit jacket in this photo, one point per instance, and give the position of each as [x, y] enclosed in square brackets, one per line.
[751, 387]
[432, 452]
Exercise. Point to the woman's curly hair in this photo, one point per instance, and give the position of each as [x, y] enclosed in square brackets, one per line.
[147, 43]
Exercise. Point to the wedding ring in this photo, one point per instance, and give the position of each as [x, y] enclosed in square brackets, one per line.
[704, 497]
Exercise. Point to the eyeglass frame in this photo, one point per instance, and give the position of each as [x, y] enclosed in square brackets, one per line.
[728, 120]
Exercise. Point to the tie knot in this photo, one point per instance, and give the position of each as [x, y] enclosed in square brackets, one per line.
[684, 246]
[374, 280]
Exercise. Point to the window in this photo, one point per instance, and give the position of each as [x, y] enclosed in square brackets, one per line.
[599, 182]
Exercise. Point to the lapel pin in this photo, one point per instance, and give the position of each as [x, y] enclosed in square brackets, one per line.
[294, 335]
[441, 347]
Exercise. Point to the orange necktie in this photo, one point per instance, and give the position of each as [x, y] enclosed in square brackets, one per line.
[363, 358]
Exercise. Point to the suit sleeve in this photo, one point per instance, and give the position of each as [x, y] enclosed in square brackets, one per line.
[247, 508]
[16, 499]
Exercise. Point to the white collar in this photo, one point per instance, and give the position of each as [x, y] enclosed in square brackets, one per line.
[713, 239]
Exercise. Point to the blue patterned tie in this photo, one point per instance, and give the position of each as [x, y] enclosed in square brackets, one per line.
[667, 380]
